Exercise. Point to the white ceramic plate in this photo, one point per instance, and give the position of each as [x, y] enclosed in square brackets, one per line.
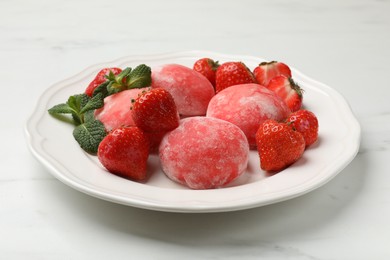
[51, 141]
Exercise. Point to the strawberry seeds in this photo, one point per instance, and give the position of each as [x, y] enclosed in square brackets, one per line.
[201, 121]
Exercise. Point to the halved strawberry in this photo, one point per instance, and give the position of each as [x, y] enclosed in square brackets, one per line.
[232, 73]
[207, 67]
[155, 111]
[266, 71]
[288, 90]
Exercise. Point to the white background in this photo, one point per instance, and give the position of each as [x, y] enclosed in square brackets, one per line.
[344, 44]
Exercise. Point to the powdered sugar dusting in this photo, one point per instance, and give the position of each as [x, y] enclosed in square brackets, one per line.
[247, 106]
[204, 153]
[190, 90]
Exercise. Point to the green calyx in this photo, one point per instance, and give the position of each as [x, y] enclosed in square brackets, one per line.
[213, 64]
[295, 87]
[88, 131]
[139, 77]
[267, 63]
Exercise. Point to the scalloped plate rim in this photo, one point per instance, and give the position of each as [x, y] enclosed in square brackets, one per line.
[35, 142]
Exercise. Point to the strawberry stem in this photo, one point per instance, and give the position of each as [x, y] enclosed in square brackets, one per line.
[267, 63]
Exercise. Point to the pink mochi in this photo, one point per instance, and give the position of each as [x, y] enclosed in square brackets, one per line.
[190, 89]
[204, 153]
[116, 110]
[247, 106]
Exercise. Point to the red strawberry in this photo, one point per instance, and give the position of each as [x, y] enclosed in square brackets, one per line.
[266, 71]
[207, 67]
[306, 123]
[232, 73]
[124, 152]
[154, 141]
[288, 90]
[278, 145]
[155, 111]
[100, 78]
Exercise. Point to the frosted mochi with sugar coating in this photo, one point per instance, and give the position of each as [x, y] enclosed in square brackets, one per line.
[247, 106]
[204, 153]
[116, 110]
[190, 89]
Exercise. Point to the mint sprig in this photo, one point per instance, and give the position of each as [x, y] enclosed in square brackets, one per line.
[77, 106]
[89, 132]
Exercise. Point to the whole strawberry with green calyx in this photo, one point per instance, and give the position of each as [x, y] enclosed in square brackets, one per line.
[232, 73]
[288, 90]
[129, 78]
[278, 145]
[207, 67]
[100, 78]
[155, 111]
[306, 123]
[124, 152]
[266, 71]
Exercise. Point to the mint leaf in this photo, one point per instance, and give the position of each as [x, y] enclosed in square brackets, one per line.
[89, 116]
[129, 78]
[77, 105]
[84, 99]
[102, 88]
[140, 77]
[60, 112]
[76, 102]
[95, 102]
[60, 109]
[89, 135]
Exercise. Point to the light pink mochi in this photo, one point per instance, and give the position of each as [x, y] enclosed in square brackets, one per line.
[247, 106]
[116, 110]
[204, 153]
[190, 89]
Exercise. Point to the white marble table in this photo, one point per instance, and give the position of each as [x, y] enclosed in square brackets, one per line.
[344, 44]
